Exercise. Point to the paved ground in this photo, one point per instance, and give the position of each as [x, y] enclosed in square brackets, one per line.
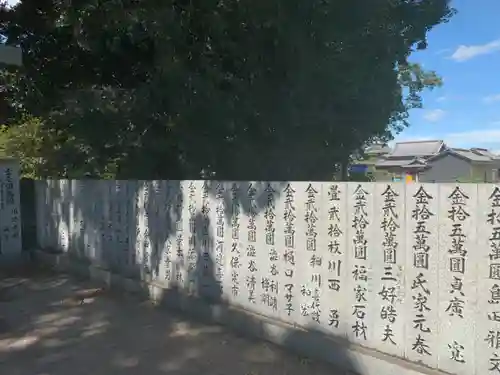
[51, 325]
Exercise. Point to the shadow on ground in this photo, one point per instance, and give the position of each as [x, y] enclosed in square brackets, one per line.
[57, 334]
[57, 325]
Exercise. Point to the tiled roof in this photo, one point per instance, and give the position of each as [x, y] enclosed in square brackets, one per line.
[387, 163]
[485, 152]
[419, 153]
[417, 148]
[377, 149]
[470, 155]
[391, 163]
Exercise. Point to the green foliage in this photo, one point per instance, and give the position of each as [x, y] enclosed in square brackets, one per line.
[247, 89]
[20, 142]
[25, 142]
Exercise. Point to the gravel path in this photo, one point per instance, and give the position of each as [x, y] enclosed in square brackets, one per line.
[51, 325]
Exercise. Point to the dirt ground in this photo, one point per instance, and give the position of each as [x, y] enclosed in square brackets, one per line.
[53, 325]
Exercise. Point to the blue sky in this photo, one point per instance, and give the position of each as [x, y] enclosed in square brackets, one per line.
[465, 52]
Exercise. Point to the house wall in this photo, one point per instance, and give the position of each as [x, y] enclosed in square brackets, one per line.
[387, 174]
[382, 175]
[447, 168]
[484, 173]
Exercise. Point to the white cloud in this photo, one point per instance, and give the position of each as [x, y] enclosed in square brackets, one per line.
[443, 51]
[441, 99]
[434, 115]
[492, 98]
[489, 136]
[464, 53]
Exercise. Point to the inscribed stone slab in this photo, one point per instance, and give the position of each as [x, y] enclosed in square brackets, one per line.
[388, 269]
[155, 234]
[332, 229]
[120, 225]
[46, 216]
[118, 209]
[78, 221]
[91, 197]
[288, 230]
[110, 247]
[309, 255]
[253, 249]
[10, 210]
[212, 236]
[263, 214]
[128, 223]
[107, 239]
[166, 219]
[102, 215]
[274, 281]
[193, 235]
[53, 188]
[41, 212]
[233, 283]
[131, 225]
[487, 338]
[181, 229]
[62, 204]
[147, 228]
[142, 235]
[458, 260]
[421, 284]
[361, 252]
[219, 190]
[52, 214]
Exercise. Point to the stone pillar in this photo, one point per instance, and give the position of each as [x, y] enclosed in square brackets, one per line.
[10, 212]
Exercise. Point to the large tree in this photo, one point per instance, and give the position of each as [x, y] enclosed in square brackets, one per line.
[248, 89]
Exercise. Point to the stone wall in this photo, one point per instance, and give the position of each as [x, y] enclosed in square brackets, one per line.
[410, 270]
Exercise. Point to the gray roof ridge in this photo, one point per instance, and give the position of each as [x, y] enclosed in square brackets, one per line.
[457, 151]
[422, 141]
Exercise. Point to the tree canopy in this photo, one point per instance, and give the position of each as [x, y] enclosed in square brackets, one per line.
[248, 89]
